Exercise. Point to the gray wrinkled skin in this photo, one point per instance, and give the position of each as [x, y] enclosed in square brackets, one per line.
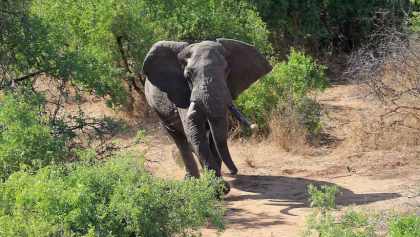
[190, 86]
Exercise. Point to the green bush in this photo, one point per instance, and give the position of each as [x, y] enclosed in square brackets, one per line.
[116, 198]
[323, 197]
[415, 22]
[26, 139]
[323, 222]
[329, 26]
[288, 85]
[359, 224]
[405, 226]
[351, 224]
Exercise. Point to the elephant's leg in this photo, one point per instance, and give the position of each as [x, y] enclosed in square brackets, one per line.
[195, 130]
[214, 150]
[186, 154]
[226, 185]
[219, 130]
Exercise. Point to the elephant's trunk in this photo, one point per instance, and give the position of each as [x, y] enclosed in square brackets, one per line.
[241, 118]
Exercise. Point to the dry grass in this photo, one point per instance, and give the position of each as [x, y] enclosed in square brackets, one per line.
[288, 133]
[375, 133]
[392, 73]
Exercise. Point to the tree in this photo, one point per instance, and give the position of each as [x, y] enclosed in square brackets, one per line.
[327, 26]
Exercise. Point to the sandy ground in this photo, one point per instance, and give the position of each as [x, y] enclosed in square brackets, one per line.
[269, 197]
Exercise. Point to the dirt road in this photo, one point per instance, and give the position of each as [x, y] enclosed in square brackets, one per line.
[269, 196]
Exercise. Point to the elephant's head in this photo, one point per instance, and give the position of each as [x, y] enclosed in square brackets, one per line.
[222, 68]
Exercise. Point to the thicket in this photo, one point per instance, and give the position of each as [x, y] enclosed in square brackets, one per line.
[115, 198]
[388, 66]
[328, 27]
[27, 142]
[285, 97]
[118, 34]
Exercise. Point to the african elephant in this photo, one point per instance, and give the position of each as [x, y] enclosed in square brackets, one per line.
[191, 87]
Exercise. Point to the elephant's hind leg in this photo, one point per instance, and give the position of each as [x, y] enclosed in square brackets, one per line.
[186, 153]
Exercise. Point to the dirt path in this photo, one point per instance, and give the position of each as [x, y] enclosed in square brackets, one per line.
[269, 194]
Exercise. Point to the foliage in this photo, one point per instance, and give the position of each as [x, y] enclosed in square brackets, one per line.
[415, 22]
[323, 222]
[95, 45]
[194, 20]
[32, 45]
[26, 139]
[323, 197]
[114, 31]
[405, 226]
[116, 198]
[351, 224]
[359, 224]
[140, 136]
[287, 86]
[327, 26]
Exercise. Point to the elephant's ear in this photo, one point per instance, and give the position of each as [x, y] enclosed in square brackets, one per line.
[246, 65]
[161, 62]
[163, 69]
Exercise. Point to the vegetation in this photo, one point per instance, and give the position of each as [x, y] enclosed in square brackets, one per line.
[323, 198]
[115, 198]
[96, 45]
[285, 92]
[327, 26]
[51, 182]
[26, 140]
[325, 222]
[405, 226]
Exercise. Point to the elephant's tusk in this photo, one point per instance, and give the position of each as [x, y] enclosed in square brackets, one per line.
[241, 118]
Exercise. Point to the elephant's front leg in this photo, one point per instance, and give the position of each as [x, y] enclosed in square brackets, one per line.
[219, 130]
[195, 130]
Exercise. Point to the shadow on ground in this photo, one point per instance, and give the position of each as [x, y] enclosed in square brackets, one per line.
[291, 192]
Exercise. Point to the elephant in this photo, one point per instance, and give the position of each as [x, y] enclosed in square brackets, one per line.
[191, 87]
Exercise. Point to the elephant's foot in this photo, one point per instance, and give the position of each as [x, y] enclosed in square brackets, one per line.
[233, 171]
[226, 187]
[188, 176]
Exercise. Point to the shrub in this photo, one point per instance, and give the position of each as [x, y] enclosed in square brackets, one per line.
[323, 222]
[415, 22]
[329, 26]
[351, 224]
[285, 90]
[404, 226]
[323, 197]
[116, 198]
[26, 140]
